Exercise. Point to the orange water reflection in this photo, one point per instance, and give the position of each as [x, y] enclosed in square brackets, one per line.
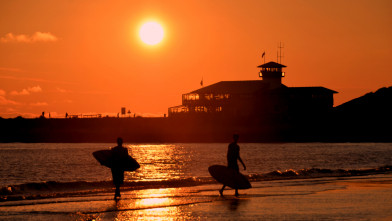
[154, 204]
[159, 193]
[166, 213]
[158, 162]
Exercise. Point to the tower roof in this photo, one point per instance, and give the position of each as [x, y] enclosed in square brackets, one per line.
[271, 65]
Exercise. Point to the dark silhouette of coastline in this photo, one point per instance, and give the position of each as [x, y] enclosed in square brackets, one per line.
[364, 119]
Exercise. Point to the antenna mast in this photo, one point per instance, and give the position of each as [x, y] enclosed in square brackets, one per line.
[279, 57]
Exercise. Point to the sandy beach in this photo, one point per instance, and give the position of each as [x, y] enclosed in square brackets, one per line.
[354, 198]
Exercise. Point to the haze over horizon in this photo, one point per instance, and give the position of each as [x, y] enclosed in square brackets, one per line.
[87, 56]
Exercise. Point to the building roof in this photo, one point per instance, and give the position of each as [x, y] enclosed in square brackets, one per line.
[250, 87]
[302, 90]
[271, 65]
[233, 87]
[316, 90]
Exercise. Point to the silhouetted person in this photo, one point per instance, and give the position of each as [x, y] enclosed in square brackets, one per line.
[43, 113]
[117, 153]
[233, 153]
[49, 114]
[66, 115]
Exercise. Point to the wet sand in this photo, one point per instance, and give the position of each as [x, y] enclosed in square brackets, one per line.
[358, 198]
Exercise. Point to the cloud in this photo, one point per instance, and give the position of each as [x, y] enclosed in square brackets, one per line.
[10, 69]
[23, 92]
[11, 113]
[4, 101]
[150, 115]
[26, 92]
[36, 37]
[14, 93]
[39, 36]
[11, 110]
[95, 92]
[68, 101]
[2, 93]
[29, 115]
[33, 79]
[54, 115]
[39, 104]
[62, 90]
[7, 112]
[35, 89]
[82, 92]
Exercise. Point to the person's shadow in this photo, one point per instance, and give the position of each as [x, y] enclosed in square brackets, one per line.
[234, 204]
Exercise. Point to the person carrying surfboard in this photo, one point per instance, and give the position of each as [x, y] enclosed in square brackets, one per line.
[118, 160]
[233, 153]
[117, 153]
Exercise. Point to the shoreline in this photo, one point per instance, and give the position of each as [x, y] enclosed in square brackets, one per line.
[349, 198]
[48, 190]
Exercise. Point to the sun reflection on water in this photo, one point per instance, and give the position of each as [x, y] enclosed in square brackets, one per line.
[157, 193]
[165, 213]
[159, 162]
[153, 204]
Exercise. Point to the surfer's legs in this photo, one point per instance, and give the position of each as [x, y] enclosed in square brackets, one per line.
[118, 179]
[117, 193]
[221, 190]
[236, 192]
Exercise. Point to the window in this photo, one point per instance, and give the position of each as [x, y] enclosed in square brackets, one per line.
[208, 96]
[190, 97]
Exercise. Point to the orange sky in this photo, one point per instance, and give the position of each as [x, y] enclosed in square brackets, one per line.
[86, 56]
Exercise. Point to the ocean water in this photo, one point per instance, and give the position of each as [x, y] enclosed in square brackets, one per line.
[43, 181]
[29, 169]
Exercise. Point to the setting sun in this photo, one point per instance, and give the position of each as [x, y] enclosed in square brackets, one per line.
[151, 33]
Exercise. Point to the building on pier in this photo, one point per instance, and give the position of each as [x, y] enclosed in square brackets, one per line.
[255, 98]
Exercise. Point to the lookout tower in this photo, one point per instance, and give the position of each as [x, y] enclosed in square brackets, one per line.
[272, 74]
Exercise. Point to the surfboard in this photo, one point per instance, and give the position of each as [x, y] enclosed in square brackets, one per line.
[127, 163]
[229, 177]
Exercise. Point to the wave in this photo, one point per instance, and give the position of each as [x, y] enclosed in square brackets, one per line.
[318, 173]
[53, 189]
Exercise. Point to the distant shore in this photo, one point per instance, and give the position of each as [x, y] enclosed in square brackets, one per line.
[188, 130]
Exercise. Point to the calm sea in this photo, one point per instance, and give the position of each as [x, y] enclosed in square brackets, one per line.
[30, 167]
